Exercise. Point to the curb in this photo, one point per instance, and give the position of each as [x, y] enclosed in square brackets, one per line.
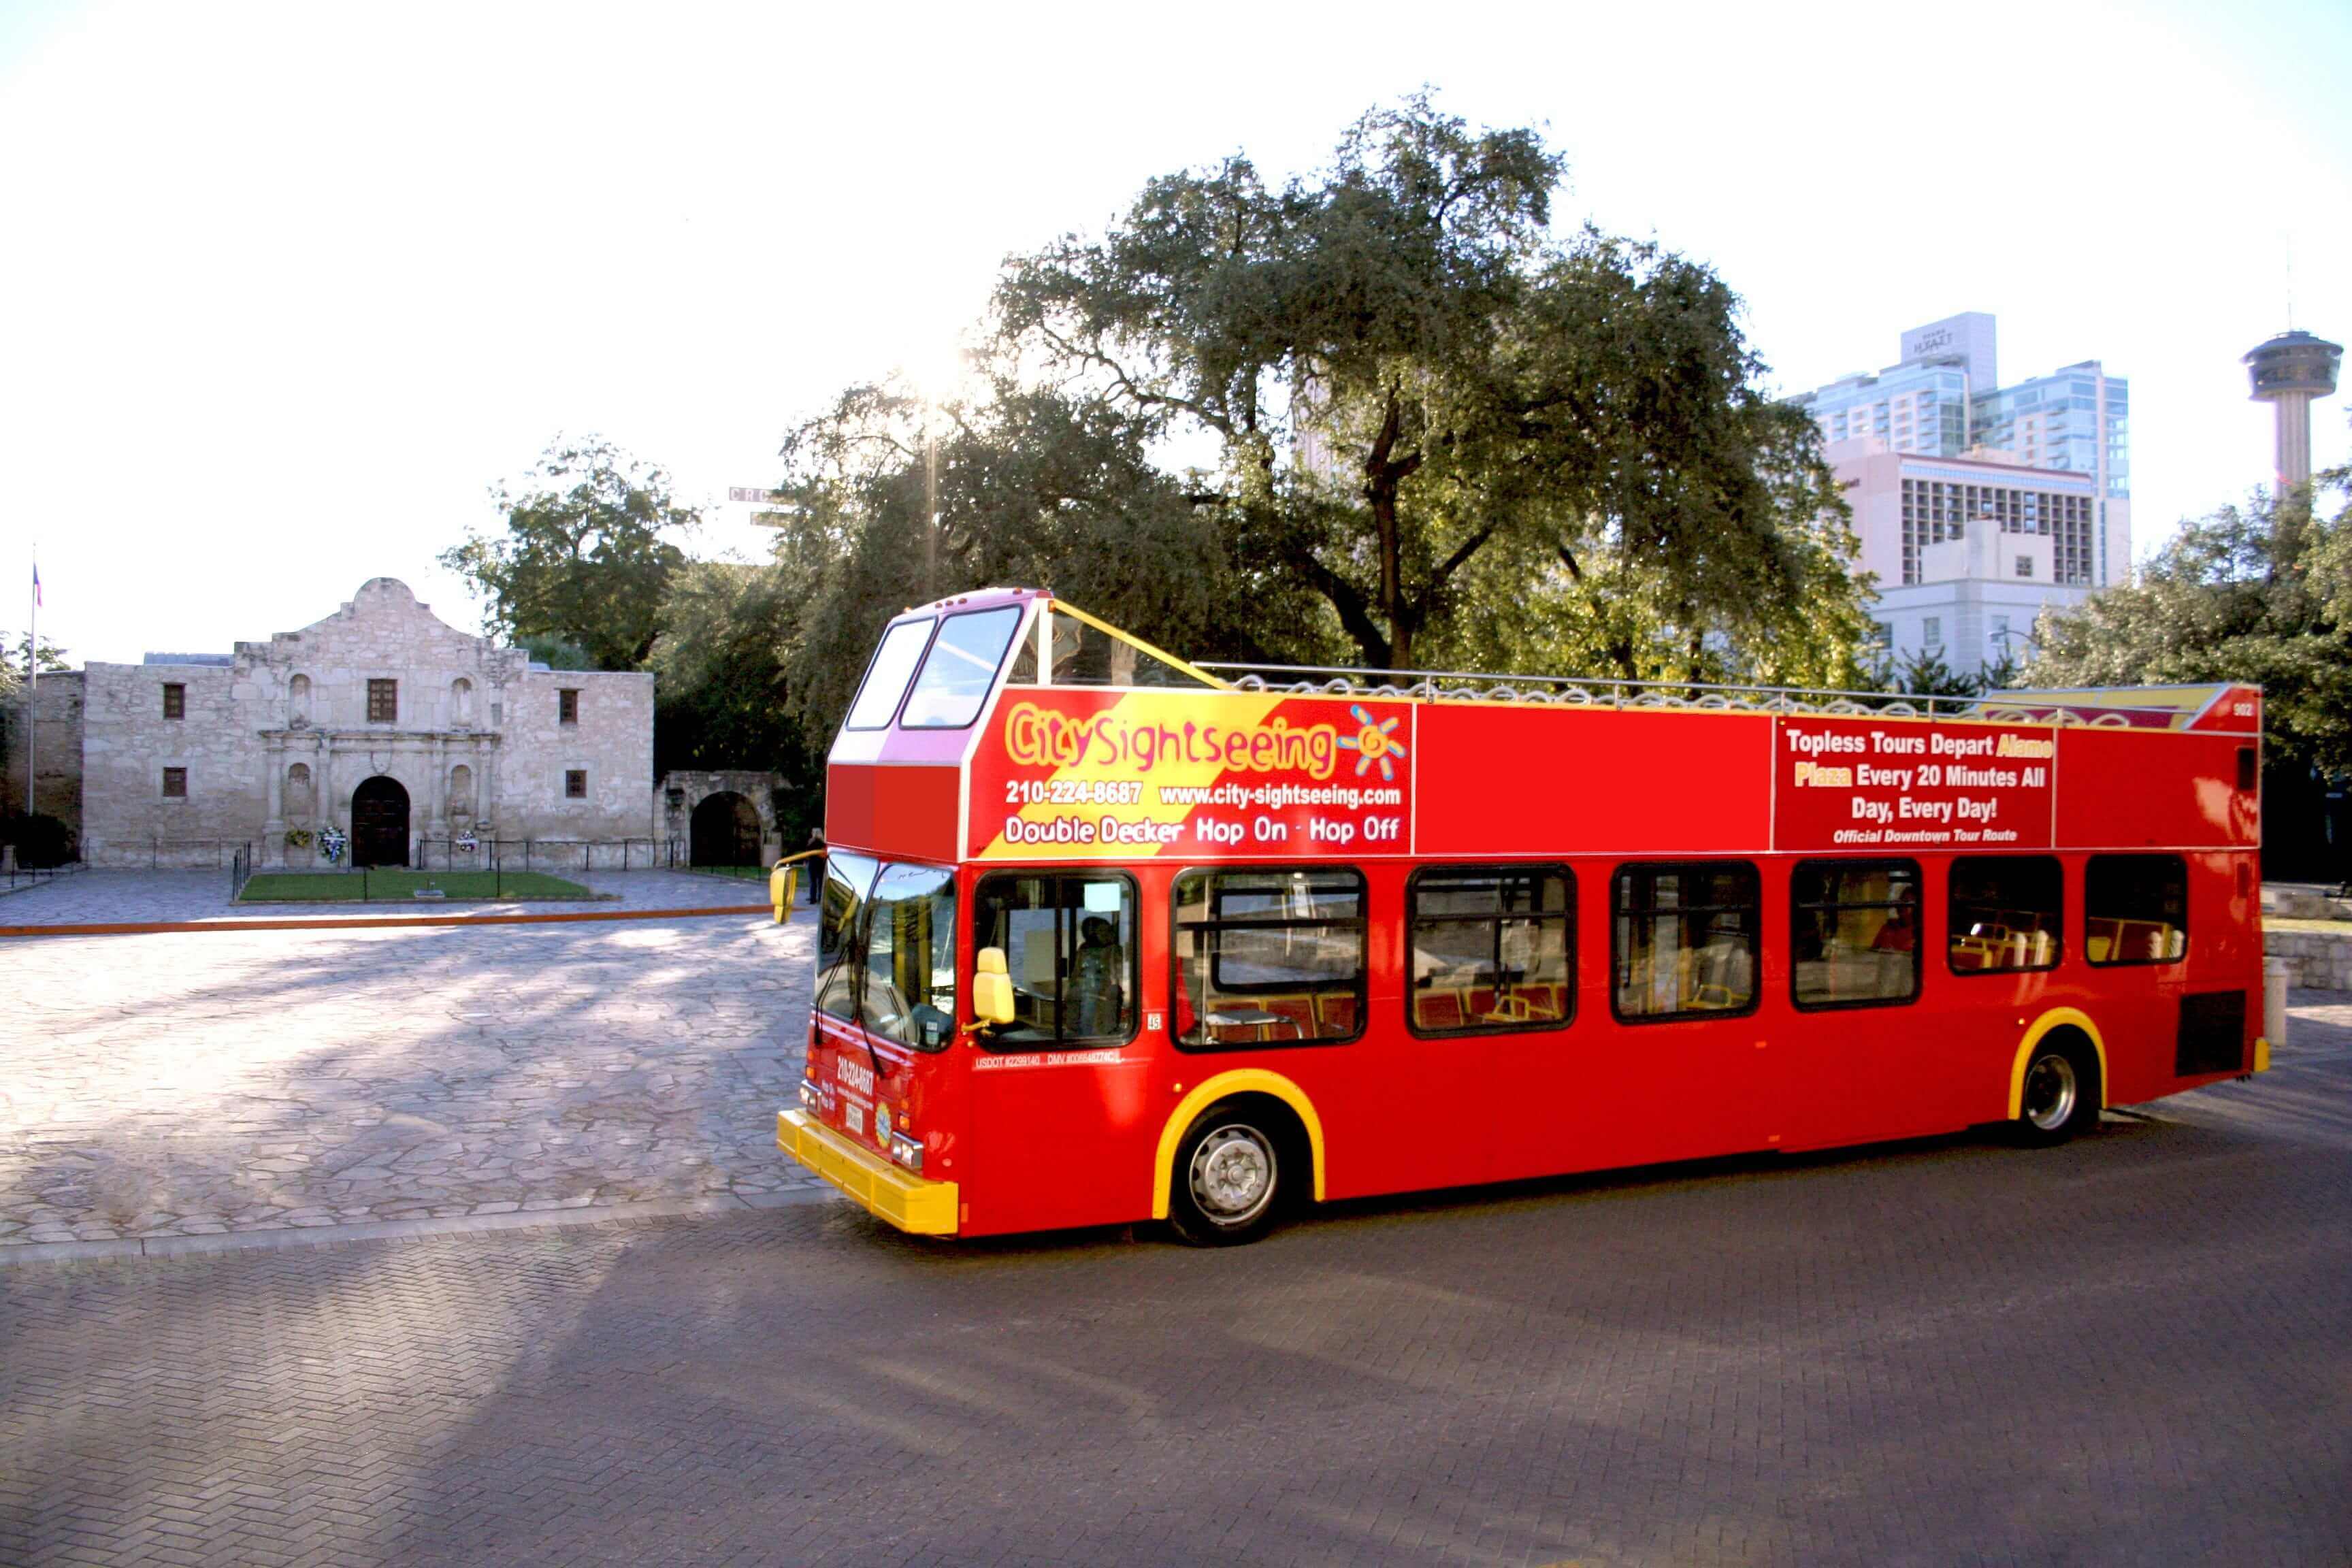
[360, 923]
[290, 1236]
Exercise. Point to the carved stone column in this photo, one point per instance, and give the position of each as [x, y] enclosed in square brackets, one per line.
[436, 794]
[273, 826]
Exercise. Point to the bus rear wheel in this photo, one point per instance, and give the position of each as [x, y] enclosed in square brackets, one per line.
[1227, 1185]
[2060, 1097]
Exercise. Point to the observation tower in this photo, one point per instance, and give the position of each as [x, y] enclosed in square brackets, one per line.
[2288, 373]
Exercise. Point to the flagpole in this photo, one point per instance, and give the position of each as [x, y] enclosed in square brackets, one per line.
[33, 691]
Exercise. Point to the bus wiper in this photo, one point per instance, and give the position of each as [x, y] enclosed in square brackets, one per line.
[857, 1005]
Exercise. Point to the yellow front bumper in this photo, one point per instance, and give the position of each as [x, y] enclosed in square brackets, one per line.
[908, 1201]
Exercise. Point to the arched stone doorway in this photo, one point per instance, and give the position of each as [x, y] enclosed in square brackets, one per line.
[380, 823]
[726, 831]
[679, 796]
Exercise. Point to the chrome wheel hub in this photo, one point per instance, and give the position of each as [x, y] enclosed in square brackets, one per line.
[1232, 1175]
[2050, 1091]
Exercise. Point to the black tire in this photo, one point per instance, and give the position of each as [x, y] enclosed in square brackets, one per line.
[1227, 1186]
[2060, 1097]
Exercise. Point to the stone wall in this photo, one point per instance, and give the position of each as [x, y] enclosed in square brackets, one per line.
[611, 741]
[56, 719]
[2321, 961]
[127, 745]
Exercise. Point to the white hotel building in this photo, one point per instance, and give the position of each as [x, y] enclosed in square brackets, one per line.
[1978, 505]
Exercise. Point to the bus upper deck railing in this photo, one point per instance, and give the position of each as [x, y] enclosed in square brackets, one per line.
[1584, 692]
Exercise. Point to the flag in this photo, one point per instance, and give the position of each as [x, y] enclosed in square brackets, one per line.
[37, 584]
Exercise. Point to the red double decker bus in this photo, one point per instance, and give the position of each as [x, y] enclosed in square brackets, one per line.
[1107, 936]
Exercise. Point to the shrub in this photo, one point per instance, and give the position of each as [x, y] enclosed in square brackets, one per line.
[41, 841]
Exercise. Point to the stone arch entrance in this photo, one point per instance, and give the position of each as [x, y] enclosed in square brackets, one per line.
[677, 808]
[726, 831]
[380, 823]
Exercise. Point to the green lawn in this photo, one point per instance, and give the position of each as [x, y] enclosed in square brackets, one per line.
[748, 873]
[378, 887]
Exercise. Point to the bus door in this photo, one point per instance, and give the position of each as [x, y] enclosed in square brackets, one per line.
[2135, 927]
[1685, 1075]
[1059, 1097]
[1866, 1060]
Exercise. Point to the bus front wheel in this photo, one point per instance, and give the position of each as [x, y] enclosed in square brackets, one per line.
[1227, 1186]
[2060, 1097]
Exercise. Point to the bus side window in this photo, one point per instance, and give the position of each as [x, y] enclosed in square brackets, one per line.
[1853, 933]
[2135, 909]
[2005, 913]
[1492, 948]
[1268, 958]
[1684, 942]
[1069, 943]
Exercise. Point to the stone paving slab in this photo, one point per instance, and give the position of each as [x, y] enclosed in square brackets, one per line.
[190, 1084]
[114, 897]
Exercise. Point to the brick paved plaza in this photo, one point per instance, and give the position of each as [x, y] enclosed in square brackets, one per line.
[174, 1085]
[2136, 1348]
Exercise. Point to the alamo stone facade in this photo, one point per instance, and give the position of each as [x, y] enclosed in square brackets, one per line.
[382, 720]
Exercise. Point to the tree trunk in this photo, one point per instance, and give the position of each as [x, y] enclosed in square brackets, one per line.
[1384, 477]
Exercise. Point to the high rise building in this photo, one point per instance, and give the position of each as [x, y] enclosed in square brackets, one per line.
[1977, 505]
[1943, 398]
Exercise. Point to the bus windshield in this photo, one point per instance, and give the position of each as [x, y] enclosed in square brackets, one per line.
[847, 879]
[910, 969]
[886, 678]
[959, 670]
[886, 949]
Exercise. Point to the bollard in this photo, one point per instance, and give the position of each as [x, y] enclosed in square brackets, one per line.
[2277, 973]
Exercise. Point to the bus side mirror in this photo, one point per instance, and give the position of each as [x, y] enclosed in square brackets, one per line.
[991, 987]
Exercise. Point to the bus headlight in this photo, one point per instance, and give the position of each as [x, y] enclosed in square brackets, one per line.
[810, 1097]
[907, 1150]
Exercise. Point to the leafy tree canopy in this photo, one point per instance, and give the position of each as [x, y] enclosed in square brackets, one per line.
[2259, 593]
[1504, 440]
[719, 668]
[584, 560]
[17, 659]
[886, 503]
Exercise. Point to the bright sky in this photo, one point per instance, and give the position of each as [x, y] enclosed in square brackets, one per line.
[287, 289]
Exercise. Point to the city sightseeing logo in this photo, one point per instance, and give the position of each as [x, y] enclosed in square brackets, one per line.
[1375, 742]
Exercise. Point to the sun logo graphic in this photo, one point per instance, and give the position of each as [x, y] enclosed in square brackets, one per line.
[1373, 743]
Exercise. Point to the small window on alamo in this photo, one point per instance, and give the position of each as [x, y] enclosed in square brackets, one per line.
[567, 706]
[1931, 631]
[175, 783]
[2025, 566]
[383, 701]
[575, 784]
[175, 700]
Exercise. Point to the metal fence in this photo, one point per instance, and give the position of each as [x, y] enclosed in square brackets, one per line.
[243, 857]
[16, 876]
[240, 868]
[181, 854]
[557, 855]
